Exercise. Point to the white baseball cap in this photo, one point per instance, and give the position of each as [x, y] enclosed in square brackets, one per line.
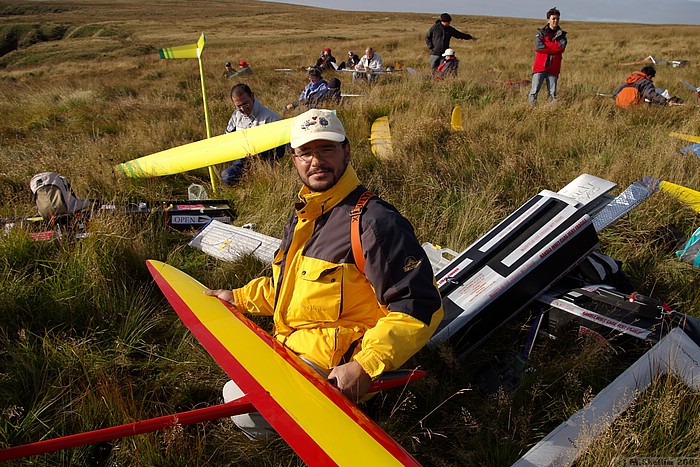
[449, 52]
[316, 124]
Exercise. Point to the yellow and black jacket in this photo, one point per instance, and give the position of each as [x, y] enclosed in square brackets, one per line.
[324, 308]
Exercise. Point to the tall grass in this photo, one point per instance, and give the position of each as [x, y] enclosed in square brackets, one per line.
[87, 339]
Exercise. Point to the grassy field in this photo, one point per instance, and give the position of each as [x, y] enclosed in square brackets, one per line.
[88, 341]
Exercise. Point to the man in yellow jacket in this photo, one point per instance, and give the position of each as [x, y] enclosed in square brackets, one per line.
[346, 324]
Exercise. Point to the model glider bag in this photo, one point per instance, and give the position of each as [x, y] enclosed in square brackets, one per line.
[299, 404]
[216, 150]
[457, 118]
[380, 138]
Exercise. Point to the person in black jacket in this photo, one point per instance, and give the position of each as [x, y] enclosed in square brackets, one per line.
[438, 39]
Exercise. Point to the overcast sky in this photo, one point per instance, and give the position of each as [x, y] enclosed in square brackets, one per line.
[622, 11]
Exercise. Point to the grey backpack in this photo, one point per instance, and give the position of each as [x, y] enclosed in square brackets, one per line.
[53, 195]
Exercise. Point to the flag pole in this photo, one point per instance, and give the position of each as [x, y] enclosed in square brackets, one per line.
[200, 49]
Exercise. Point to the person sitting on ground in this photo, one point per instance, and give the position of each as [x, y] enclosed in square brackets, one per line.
[325, 61]
[333, 94]
[228, 70]
[248, 114]
[353, 60]
[639, 87]
[347, 320]
[449, 66]
[369, 65]
[243, 69]
[313, 91]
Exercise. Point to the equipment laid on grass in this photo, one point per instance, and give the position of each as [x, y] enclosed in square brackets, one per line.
[693, 149]
[229, 243]
[380, 138]
[508, 267]
[685, 137]
[194, 214]
[690, 253]
[54, 197]
[688, 196]
[676, 354]
[694, 88]
[623, 203]
[609, 315]
[212, 151]
[651, 59]
[456, 120]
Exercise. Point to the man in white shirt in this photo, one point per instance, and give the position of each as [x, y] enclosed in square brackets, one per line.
[369, 67]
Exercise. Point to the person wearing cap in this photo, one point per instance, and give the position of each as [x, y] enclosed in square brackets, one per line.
[369, 66]
[248, 114]
[438, 39]
[313, 92]
[325, 61]
[347, 324]
[550, 43]
[228, 70]
[352, 60]
[243, 69]
[449, 65]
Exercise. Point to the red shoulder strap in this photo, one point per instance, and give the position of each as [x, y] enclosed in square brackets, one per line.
[355, 239]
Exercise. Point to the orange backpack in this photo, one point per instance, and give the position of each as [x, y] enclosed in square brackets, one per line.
[628, 96]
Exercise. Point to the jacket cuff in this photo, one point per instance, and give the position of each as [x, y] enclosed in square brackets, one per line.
[239, 299]
[370, 362]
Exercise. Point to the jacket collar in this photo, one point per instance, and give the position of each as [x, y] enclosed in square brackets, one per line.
[316, 203]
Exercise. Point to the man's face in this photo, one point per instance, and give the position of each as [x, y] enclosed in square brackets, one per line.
[553, 21]
[369, 53]
[445, 24]
[244, 103]
[314, 78]
[321, 163]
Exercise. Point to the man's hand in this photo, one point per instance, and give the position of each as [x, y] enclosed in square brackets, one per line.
[225, 295]
[352, 380]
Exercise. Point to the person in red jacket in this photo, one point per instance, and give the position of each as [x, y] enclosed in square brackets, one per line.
[550, 43]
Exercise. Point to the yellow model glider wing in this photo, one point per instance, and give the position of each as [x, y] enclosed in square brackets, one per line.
[211, 151]
[683, 194]
[380, 138]
[691, 138]
[457, 118]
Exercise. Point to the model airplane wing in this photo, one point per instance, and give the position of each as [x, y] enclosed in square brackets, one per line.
[685, 137]
[380, 138]
[694, 88]
[320, 424]
[211, 151]
[456, 121]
